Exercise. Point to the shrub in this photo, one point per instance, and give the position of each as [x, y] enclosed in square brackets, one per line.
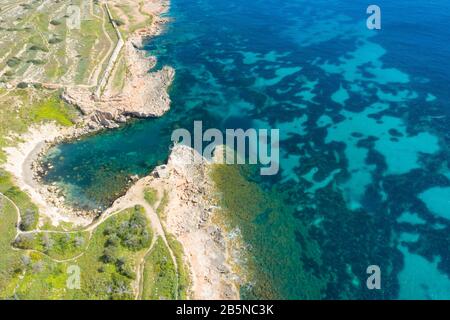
[118, 22]
[124, 268]
[38, 267]
[132, 234]
[13, 62]
[36, 61]
[24, 241]
[109, 255]
[47, 242]
[37, 47]
[55, 40]
[55, 22]
[22, 85]
[79, 241]
[29, 220]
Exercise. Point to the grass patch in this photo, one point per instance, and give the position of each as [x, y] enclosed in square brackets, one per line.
[28, 211]
[119, 75]
[111, 258]
[160, 277]
[53, 109]
[10, 262]
[33, 275]
[151, 196]
[161, 210]
[184, 279]
[42, 278]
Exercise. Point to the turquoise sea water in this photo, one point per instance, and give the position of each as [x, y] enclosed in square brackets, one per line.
[363, 118]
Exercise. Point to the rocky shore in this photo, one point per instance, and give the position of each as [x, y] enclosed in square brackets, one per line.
[188, 215]
[144, 93]
[23, 163]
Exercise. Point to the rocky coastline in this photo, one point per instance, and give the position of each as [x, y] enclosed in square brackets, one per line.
[144, 95]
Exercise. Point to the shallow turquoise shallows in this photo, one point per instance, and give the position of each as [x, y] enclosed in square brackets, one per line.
[364, 127]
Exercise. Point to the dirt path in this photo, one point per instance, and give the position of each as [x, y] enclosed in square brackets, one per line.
[19, 232]
[17, 209]
[112, 60]
[157, 226]
[136, 199]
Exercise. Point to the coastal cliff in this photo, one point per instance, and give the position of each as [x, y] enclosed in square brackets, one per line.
[185, 188]
[144, 93]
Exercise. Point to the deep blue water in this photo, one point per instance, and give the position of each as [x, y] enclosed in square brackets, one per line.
[363, 118]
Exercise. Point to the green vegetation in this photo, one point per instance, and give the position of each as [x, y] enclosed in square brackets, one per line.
[118, 22]
[184, 279]
[36, 61]
[13, 62]
[42, 278]
[37, 47]
[41, 22]
[151, 196]
[55, 109]
[56, 245]
[55, 22]
[89, 34]
[28, 211]
[132, 234]
[55, 40]
[108, 263]
[163, 205]
[22, 85]
[160, 277]
[10, 263]
[25, 275]
[119, 74]
[26, 6]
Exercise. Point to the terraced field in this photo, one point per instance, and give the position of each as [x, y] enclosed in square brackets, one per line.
[55, 42]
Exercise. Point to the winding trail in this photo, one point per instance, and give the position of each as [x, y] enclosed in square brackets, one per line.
[17, 209]
[156, 221]
[137, 198]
